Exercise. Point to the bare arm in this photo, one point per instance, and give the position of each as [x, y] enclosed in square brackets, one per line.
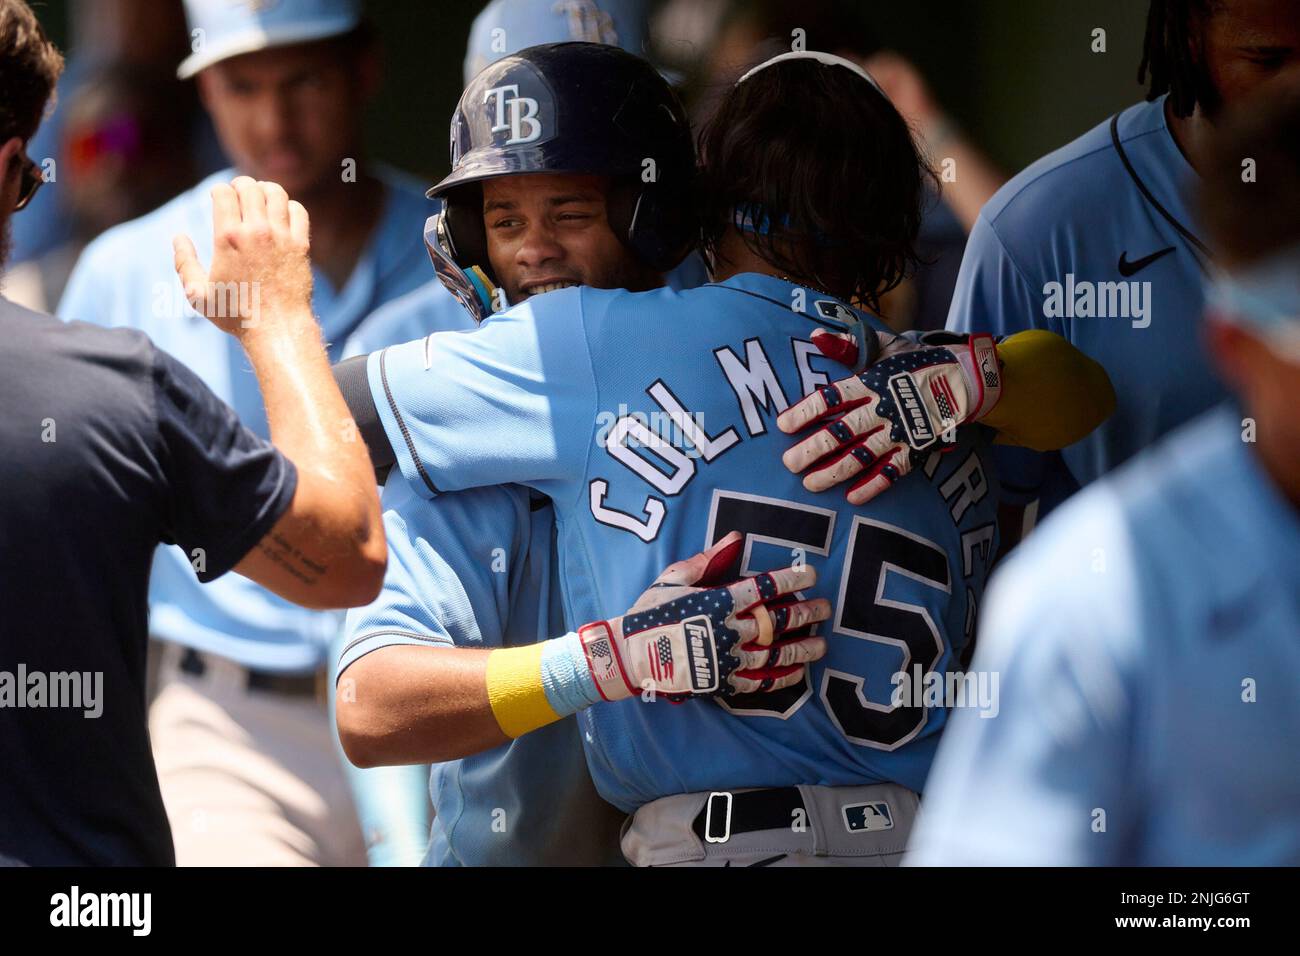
[405, 704]
[327, 550]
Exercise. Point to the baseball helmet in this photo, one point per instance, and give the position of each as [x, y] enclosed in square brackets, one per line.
[566, 108]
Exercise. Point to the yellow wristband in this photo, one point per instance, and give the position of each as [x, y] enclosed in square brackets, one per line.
[515, 691]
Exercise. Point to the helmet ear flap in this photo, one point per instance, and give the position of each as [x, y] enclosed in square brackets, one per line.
[474, 290]
[464, 230]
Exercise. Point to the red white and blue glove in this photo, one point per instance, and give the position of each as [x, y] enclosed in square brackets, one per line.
[878, 424]
[684, 637]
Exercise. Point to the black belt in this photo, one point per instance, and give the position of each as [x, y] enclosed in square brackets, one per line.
[302, 685]
[726, 814]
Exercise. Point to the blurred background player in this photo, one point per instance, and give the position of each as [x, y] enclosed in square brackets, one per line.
[121, 41]
[117, 160]
[1146, 635]
[1097, 242]
[109, 446]
[530, 802]
[244, 748]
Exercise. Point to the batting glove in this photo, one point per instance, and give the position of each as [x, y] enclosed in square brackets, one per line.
[878, 424]
[684, 638]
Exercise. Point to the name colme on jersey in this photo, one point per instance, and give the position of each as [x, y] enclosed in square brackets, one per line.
[668, 458]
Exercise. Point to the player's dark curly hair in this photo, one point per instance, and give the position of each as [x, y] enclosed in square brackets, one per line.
[29, 68]
[833, 167]
[1172, 54]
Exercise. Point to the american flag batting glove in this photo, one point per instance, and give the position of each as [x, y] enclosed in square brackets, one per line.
[680, 640]
[876, 425]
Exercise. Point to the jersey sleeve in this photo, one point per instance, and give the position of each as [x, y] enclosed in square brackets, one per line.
[513, 401]
[457, 595]
[430, 308]
[225, 486]
[1045, 779]
[84, 295]
[993, 295]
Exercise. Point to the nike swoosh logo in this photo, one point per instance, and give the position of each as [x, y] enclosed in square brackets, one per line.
[1127, 268]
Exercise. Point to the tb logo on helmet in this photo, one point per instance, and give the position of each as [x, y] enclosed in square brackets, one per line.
[522, 110]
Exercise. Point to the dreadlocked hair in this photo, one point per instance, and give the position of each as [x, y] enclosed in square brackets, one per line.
[1172, 54]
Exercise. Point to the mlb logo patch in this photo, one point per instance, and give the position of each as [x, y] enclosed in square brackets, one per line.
[867, 817]
[829, 309]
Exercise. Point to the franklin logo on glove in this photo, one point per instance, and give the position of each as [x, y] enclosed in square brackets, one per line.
[919, 432]
[704, 661]
[749, 636]
[876, 424]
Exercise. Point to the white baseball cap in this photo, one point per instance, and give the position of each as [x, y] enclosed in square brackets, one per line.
[221, 29]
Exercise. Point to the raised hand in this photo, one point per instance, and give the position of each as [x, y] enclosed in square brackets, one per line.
[261, 271]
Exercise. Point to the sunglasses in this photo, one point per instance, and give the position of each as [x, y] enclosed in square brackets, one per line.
[32, 180]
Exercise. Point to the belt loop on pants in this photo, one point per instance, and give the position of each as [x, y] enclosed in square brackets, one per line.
[725, 813]
[820, 828]
[711, 834]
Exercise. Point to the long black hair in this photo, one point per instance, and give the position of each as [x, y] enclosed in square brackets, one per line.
[1172, 53]
[827, 171]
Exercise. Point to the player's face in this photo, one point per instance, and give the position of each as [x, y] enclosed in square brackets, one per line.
[290, 115]
[548, 230]
[1248, 43]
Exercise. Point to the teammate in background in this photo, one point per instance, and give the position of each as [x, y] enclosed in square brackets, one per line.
[117, 160]
[245, 751]
[530, 802]
[109, 446]
[537, 413]
[147, 36]
[1146, 635]
[1096, 241]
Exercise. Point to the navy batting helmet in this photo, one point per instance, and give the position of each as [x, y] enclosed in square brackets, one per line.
[567, 108]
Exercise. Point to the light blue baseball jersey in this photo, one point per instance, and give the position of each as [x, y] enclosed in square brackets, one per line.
[126, 278]
[1147, 639]
[427, 308]
[477, 569]
[1096, 243]
[541, 771]
[648, 419]
[533, 781]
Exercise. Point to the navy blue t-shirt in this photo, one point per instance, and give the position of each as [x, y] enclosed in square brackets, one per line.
[108, 446]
